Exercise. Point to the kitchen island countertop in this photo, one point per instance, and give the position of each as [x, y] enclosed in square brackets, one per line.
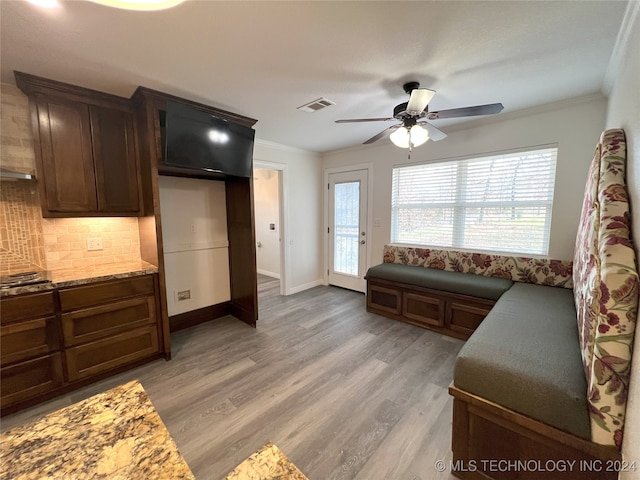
[116, 434]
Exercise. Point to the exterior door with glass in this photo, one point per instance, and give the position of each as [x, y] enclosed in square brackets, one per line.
[347, 229]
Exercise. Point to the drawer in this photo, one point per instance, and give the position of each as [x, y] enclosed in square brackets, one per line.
[31, 378]
[24, 307]
[74, 298]
[466, 317]
[384, 299]
[89, 324]
[103, 355]
[22, 340]
[423, 308]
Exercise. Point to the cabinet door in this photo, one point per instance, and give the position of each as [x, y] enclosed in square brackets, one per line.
[30, 379]
[115, 158]
[24, 340]
[66, 159]
[385, 299]
[24, 307]
[423, 308]
[465, 317]
[106, 354]
[89, 324]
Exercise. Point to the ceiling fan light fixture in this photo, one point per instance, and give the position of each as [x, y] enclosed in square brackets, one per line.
[400, 137]
[419, 135]
[45, 3]
[416, 135]
[145, 5]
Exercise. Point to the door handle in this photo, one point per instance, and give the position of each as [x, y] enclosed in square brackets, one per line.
[362, 242]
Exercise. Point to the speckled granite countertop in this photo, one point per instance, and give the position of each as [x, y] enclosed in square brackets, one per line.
[116, 434]
[268, 463]
[81, 276]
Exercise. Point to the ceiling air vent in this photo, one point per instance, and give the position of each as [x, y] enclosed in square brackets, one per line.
[316, 105]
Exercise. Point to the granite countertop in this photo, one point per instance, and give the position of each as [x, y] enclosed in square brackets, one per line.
[115, 434]
[80, 276]
[268, 463]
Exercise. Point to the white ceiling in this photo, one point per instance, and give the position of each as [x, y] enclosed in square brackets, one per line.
[264, 59]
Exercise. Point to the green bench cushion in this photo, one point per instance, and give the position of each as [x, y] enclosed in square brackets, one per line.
[525, 356]
[478, 286]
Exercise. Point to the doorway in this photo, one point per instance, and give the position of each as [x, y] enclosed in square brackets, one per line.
[348, 203]
[268, 198]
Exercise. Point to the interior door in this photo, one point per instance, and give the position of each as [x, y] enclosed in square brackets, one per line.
[347, 229]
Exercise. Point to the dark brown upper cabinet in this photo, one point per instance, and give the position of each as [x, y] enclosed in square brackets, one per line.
[86, 150]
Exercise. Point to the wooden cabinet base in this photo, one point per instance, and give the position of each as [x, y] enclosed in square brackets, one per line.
[448, 313]
[55, 390]
[491, 442]
[56, 342]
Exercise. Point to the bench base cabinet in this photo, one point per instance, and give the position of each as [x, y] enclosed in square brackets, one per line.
[483, 431]
[56, 341]
[451, 314]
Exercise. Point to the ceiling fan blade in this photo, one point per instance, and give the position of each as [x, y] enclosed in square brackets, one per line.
[488, 109]
[420, 98]
[358, 120]
[435, 134]
[382, 134]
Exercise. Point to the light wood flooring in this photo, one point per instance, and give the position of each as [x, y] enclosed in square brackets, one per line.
[344, 393]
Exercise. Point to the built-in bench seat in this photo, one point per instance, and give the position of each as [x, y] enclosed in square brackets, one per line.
[544, 377]
[519, 386]
[452, 303]
[525, 356]
[489, 288]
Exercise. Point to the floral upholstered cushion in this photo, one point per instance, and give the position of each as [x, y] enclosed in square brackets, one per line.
[606, 289]
[541, 271]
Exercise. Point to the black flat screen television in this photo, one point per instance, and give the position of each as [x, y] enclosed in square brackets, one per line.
[197, 140]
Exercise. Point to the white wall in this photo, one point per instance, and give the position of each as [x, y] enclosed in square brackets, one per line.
[624, 112]
[267, 212]
[303, 212]
[573, 125]
[195, 241]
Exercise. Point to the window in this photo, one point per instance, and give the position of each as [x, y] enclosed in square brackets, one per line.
[500, 203]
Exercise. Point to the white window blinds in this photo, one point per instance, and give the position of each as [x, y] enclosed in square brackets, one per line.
[500, 203]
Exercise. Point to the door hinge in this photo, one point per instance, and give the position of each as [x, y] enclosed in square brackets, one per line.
[328, 186]
[328, 229]
[327, 271]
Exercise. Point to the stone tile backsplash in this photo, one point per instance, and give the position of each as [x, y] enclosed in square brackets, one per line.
[21, 240]
[65, 241]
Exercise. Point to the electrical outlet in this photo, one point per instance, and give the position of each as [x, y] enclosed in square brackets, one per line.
[94, 243]
[193, 228]
[184, 295]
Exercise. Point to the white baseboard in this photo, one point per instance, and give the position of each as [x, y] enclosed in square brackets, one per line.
[269, 274]
[305, 286]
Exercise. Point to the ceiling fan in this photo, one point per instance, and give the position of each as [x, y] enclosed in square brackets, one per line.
[414, 129]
